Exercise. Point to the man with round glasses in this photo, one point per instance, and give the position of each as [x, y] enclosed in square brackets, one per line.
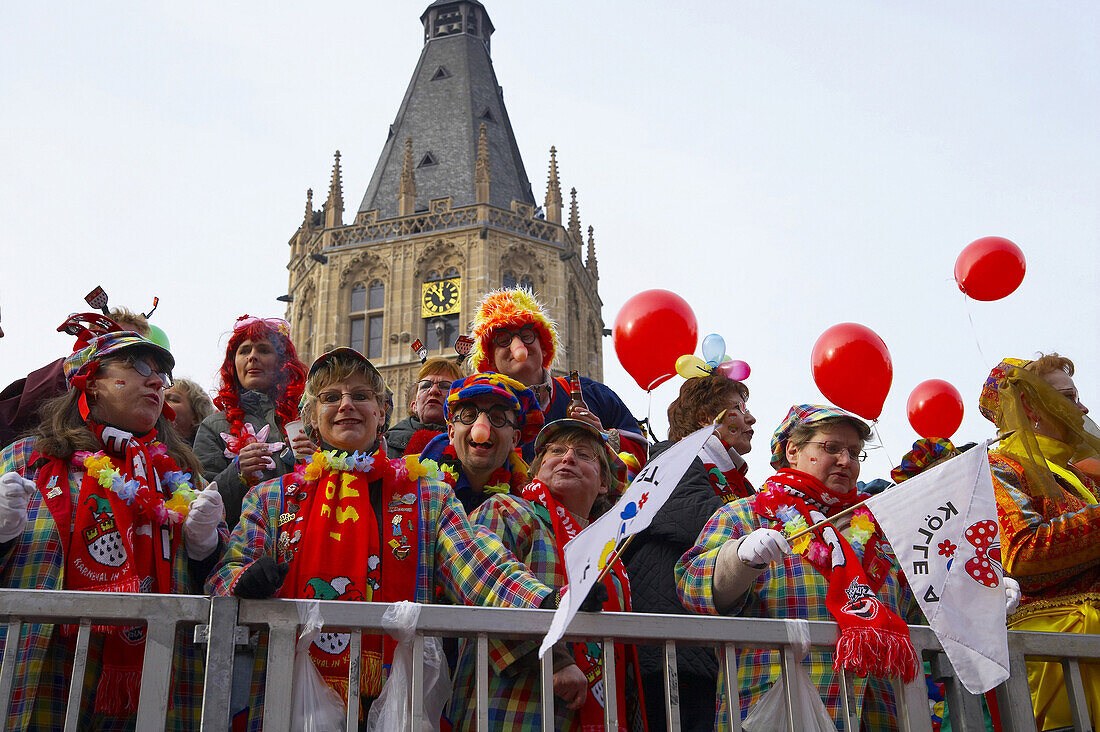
[426, 417]
[513, 335]
[487, 415]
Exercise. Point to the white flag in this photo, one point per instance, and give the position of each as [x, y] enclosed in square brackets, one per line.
[586, 554]
[943, 527]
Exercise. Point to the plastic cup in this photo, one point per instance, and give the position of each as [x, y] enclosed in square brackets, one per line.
[294, 430]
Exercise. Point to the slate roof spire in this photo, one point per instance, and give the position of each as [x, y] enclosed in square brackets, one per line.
[553, 190]
[334, 206]
[453, 91]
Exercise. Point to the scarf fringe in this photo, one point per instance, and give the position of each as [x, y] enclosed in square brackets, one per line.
[118, 690]
[876, 652]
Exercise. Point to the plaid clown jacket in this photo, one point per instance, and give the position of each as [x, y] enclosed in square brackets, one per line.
[794, 590]
[526, 531]
[44, 665]
[468, 564]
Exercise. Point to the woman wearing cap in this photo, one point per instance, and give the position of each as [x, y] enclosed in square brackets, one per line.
[577, 479]
[1048, 513]
[93, 501]
[715, 478]
[406, 529]
[742, 565]
[261, 383]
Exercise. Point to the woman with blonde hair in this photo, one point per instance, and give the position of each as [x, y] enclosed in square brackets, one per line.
[1049, 514]
[350, 524]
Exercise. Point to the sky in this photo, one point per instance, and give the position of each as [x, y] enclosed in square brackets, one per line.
[782, 166]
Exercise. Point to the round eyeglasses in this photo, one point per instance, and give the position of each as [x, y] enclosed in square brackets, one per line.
[502, 337]
[468, 414]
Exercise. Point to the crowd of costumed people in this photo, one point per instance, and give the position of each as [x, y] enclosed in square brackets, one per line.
[317, 482]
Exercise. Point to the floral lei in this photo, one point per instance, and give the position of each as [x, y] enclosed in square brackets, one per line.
[508, 478]
[148, 501]
[375, 466]
[775, 503]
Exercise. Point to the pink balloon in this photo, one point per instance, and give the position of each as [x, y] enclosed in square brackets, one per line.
[736, 370]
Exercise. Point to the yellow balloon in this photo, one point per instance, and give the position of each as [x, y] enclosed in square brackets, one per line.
[690, 366]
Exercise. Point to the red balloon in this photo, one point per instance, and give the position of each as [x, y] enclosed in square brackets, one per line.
[651, 331]
[990, 268]
[852, 368]
[935, 409]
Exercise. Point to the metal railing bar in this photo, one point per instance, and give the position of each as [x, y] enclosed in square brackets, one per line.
[610, 700]
[546, 690]
[1014, 696]
[482, 683]
[672, 688]
[220, 647]
[966, 709]
[156, 674]
[76, 681]
[733, 696]
[1075, 688]
[278, 691]
[914, 696]
[355, 679]
[12, 641]
[18, 607]
[847, 700]
[794, 716]
[416, 697]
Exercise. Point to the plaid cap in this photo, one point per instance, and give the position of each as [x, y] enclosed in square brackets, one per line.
[510, 309]
[989, 403]
[619, 471]
[113, 343]
[808, 414]
[529, 417]
[925, 452]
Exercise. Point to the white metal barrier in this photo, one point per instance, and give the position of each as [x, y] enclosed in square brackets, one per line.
[221, 622]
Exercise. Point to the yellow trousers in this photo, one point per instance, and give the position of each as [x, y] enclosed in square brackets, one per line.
[1048, 693]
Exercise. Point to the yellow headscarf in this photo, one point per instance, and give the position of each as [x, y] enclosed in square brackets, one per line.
[1042, 457]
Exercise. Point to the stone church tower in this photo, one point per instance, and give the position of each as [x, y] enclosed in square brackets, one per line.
[448, 216]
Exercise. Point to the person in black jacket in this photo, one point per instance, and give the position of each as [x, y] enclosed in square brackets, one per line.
[715, 478]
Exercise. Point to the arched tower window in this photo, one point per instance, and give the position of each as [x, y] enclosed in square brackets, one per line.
[509, 280]
[365, 318]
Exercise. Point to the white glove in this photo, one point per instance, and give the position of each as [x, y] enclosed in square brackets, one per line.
[15, 493]
[200, 528]
[762, 547]
[1012, 595]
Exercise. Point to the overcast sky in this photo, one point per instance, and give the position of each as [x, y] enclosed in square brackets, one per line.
[783, 166]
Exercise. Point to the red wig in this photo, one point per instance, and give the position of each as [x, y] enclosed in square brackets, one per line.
[290, 381]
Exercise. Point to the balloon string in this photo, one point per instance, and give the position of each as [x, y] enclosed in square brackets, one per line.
[881, 442]
[649, 414]
[970, 317]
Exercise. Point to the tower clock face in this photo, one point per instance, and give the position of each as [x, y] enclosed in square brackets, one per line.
[440, 297]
